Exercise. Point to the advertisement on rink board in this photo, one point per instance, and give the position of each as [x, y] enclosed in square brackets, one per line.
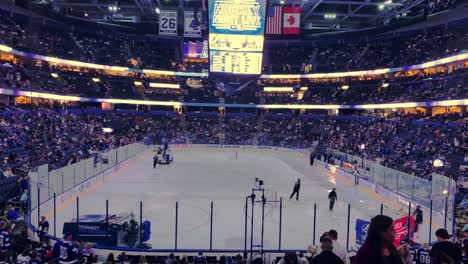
[401, 229]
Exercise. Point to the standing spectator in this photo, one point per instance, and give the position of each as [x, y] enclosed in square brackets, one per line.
[312, 158]
[463, 244]
[297, 187]
[327, 256]
[379, 247]
[23, 183]
[5, 242]
[444, 250]
[43, 229]
[338, 249]
[66, 251]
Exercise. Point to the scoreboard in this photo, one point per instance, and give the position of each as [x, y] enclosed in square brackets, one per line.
[236, 35]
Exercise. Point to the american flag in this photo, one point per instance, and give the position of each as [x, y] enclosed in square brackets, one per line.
[274, 18]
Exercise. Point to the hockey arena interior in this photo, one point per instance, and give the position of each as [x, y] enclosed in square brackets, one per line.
[234, 131]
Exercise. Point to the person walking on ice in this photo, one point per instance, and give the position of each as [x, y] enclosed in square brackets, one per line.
[297, 187]
[332, 197]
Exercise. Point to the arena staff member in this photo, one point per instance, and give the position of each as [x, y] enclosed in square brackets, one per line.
[332, 197]
[297, 187]
[43, 229]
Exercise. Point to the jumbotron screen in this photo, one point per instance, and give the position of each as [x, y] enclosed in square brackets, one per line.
[236, 35]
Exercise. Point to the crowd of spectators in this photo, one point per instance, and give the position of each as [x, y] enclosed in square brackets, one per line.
[387, 51]
[404, 142]
[114, 48]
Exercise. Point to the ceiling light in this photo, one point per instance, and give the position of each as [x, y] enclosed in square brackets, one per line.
[385, 85]
[381, 7]
[54, 75]
[85, 14]
[138, 83]
[157, 10]
[329, 16]
[345, 87]
[278, 89]
[282, 2]
[96, 80]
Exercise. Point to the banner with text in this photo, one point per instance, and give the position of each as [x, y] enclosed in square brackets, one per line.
[192, 27]
[168, 22]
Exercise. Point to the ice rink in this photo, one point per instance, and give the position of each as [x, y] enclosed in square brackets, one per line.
[201, 176]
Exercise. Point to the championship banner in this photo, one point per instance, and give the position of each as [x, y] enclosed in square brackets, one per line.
[191, 25]
[168, 22]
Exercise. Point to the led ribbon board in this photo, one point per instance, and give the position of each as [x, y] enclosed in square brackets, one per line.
[236, 35]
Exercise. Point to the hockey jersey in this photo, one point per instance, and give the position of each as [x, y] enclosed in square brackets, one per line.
[65, 252]
[5, 241]
[420, 256]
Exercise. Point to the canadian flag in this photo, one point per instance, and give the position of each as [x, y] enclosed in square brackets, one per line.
[291, 20]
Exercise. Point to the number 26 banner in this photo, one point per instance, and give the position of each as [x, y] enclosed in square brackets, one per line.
[191, 25]
[168, 22]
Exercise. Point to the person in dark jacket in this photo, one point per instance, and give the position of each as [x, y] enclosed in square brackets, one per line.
[378, 247]
[297, 187]
[419, 218]
[312, 158]
[327, 256]
[444, 250]
[332, 197]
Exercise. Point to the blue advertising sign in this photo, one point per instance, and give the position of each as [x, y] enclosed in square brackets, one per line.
[362, 227]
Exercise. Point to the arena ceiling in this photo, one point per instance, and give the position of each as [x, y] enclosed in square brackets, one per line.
[317, 15]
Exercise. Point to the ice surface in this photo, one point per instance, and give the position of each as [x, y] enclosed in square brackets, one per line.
[201, 176]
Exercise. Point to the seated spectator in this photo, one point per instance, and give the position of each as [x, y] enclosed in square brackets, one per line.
[405, 254]
[110, 259]
[24, 257]
[327, 256]
[290, 258]
[338, 249]
[200, 259]
[8, 173]
[88, 254]
[12, 214]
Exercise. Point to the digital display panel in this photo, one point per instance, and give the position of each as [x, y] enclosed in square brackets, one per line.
[196, 49]
[236, 35]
